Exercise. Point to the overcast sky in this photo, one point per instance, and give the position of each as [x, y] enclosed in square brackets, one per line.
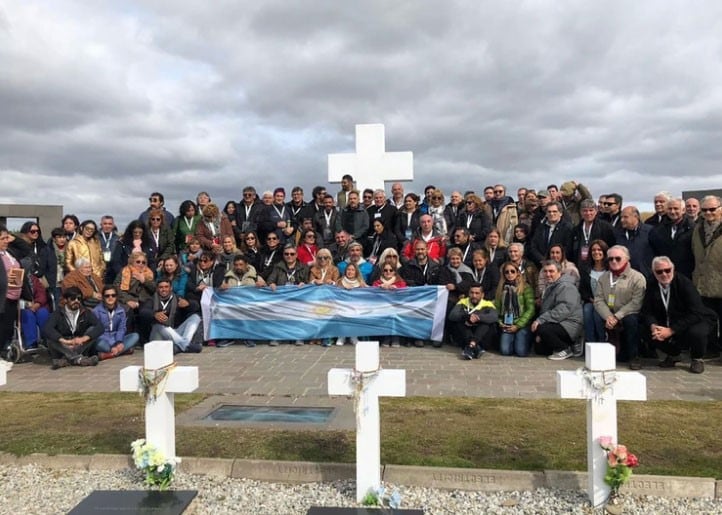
[102, 102]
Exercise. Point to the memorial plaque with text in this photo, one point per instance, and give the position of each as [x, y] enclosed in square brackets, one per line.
[173, 502]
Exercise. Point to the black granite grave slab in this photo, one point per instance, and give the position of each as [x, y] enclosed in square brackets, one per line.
[170, 502]
[317, 510]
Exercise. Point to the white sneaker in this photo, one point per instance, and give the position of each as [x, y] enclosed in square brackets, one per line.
[562, 354]
[340, 341]
[7, 365]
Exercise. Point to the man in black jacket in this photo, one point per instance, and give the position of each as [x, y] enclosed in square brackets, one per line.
[673, 314]
[71, 332]
[590, 228]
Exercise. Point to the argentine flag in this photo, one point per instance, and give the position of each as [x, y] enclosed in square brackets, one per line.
[314, 312]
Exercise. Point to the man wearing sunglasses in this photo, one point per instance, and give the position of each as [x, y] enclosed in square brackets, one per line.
[673, 316]
[707, 250]
[72, 332]
[156, 200]
[618, 300]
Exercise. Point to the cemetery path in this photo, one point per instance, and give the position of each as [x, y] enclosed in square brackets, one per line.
[292, 371]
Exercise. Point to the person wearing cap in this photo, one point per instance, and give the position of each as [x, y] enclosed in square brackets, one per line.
[571, 195]
[72, 332]
[355, 256]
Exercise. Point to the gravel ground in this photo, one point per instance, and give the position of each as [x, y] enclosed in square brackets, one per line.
[34, 490]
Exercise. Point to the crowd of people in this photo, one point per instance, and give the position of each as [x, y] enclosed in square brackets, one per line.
[542, 272]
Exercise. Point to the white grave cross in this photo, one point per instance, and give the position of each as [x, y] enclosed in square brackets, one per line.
[3, 374]
[375, 383]
[371, 165]
[160, 413]
[601, 386]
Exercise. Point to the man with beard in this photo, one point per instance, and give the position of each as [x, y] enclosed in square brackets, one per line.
[354, 218]
[327, 222]
[71, 333]
[171, 321]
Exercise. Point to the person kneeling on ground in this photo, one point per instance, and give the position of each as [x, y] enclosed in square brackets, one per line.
[673, 316]
[561, 321]
[71, 332]
[115, 340]
[474, 320]
[170, 322]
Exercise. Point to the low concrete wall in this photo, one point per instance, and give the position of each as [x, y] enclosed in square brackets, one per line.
[444, 478]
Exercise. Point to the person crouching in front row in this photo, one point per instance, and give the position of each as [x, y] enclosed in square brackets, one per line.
[115, 339]
[72, 332]
[474, 322]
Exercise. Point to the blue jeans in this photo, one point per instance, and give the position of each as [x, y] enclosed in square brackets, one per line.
[31, 321]
[518, 343]
[594, 330]
[181, 336]
[129, 341]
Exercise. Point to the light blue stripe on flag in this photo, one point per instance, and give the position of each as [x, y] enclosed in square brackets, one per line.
[312, 312]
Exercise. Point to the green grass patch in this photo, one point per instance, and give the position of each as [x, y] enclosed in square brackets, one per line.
[670, 437]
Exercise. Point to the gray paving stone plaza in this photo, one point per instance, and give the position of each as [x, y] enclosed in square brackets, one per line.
[290, 371]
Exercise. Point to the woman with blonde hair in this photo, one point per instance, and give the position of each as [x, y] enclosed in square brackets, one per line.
[515, 304]
[351, 278]
[323, 271]
[475, 218]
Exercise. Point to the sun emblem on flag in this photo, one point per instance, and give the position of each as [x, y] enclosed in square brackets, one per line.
[322, 310]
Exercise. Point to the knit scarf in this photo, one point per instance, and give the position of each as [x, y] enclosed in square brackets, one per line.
[127, 274]
[350, 283]
[510, 299]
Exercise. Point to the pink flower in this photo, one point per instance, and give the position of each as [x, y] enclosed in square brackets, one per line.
[621, 452]
[632, 460]
[612, 459]
[606, 442]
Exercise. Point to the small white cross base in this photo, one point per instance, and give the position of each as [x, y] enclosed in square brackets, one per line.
[601, 408]
[160, 414]
[390, 383]
[371, 165]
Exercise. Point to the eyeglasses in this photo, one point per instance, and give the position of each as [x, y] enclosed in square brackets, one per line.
[250, 238]
[323, 258]
[661, 271]
[614, 258]
[34, 231]
[498, 191]
[74, 297]
[141, 262]
[155, 219]
[468, 202]
[388, 269]
[709, 209]
[289, 253]
[109, 295]
[271, 238]
[437, 198]
[509, 271]
[607, 204]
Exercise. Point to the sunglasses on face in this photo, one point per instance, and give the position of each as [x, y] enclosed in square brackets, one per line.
[155, 219]
[663, 271]
[250, 237]
[510, 271]
[709, 209]
[289, 253]
[607, 204]
[73, 297]
[614, 258]
[140, 262]
[324, 258]
[388, 269]
[271, 238]
[110, 295]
